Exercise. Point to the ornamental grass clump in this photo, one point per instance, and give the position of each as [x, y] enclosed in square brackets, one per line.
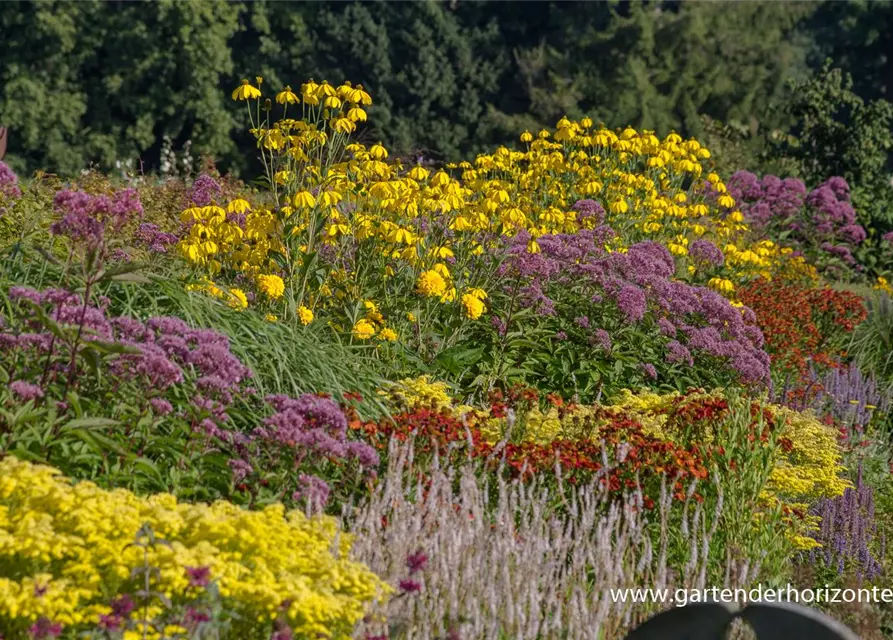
[68, 561]
[512, 559]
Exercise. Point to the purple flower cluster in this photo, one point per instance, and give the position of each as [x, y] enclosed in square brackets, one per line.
[640, 283]
[706, 253]
[415, 562]
[116, 620]
[161, 355]
[315, 426]
[589, 213]
[844, 394]
[85, 217]
[45, 628]
[822, 219]
[203, 190]
[9, 182]
[198, 576]
[158, 353]
[25, 390]
[848, 533]
[313, 490]
[154, 238]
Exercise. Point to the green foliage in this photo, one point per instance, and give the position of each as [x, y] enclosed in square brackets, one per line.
[839, 134]
[858, 36]
[99, 82]
[660, 65]
[435, 79]
[872, 342]
[105, 82]
[285, 358]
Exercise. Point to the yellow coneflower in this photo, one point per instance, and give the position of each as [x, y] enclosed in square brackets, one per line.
[246, 92]
[286, 96]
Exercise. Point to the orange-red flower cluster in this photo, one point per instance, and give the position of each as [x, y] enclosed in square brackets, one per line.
[802, 323]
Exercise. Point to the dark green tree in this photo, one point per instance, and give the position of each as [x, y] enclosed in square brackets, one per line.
[839, 134]
[858, 36]
[102, 81]
[431, 75]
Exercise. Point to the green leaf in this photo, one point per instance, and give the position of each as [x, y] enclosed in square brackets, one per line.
[618, 367]
[91, 357]
[89, 423]
[456, 358]
[113, 347]
[47, 322]
[122, 269]
[131, 277]
[150, 469]
[279, 258]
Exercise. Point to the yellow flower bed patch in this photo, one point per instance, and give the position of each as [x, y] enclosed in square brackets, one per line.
[73, 541]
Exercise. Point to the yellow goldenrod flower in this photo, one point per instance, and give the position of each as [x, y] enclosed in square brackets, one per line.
[72, 561]
[286, 96]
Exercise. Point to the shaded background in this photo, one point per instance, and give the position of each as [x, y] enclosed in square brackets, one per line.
[102, 82]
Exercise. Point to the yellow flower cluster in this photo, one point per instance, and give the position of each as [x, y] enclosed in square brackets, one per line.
[415, 393]
[272, 285]
[373, 324]
[66, 551]
[411, 229]
[812, 467]
[234, 297]
[473, 301]
[883, 285]
[214, 241]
